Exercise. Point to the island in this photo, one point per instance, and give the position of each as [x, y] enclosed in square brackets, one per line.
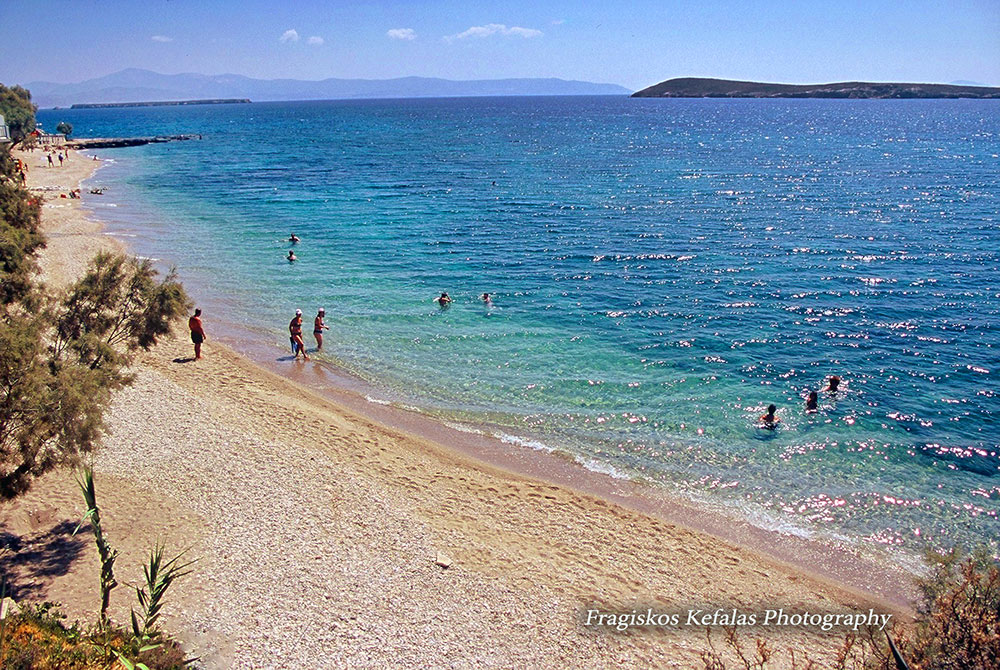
[695, 87]
[161, 103]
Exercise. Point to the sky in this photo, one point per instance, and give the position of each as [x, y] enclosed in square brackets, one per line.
[634, 44]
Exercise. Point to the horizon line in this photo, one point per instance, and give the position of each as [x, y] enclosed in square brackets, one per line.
[966, 82]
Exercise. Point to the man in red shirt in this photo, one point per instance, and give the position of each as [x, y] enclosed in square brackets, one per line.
[197, 332]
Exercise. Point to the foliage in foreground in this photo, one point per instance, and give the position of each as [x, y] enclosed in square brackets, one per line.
[38, 638]
[959, 619]
[159, 574]
[60, 364]
[957, 627]
[107, 554]
[62, 354]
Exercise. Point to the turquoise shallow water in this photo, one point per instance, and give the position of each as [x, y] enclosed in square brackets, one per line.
[661, 271]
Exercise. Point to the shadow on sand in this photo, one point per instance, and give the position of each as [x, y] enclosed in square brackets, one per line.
[30, 561]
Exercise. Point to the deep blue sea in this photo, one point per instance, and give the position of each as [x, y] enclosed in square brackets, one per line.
[661, 271]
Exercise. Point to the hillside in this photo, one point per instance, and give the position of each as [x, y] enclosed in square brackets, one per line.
[693, 87]
[135, 85]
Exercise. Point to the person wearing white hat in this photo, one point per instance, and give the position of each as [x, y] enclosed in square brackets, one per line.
[295, 335]
[319, 327]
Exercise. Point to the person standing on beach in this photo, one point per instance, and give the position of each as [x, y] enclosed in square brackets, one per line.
[49, 156]
[319, 327]
[60, 160]
[197, 333]
[295, 332]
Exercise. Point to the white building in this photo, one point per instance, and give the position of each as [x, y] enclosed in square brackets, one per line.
[4, 131]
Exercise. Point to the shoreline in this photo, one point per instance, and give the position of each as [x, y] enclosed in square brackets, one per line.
[836, 564]
[412, 468]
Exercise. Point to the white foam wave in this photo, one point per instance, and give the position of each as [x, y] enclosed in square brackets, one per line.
[601, 468]
[523, 442]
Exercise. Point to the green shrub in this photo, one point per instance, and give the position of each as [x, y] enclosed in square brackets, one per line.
[38, 637]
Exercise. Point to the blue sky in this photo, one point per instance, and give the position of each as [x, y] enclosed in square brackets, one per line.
[634, 44]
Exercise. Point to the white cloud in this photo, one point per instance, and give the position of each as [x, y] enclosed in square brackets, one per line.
[402, 34]
[495, 29]
[315, 39]
[558, 22]
[523, 32]
[290, 35]
[161, 38]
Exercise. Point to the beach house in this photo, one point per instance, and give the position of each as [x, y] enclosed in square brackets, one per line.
[45, 139]
[4, 131]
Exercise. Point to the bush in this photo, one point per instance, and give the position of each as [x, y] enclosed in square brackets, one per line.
[37, 637]
[957, 627]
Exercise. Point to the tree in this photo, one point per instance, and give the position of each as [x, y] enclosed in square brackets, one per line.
[65, 128]
[59, 366]
[115, 308]
[62, 356]
[18, 112]
[20, 237]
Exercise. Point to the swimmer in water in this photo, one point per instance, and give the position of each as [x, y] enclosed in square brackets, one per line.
[293, 238]
[291, 256]
[486, 299]
[834, 384]
[812, 404]
[443, 300]
[769, 420]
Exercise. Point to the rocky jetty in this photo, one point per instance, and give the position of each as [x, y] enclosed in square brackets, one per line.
[117, 142]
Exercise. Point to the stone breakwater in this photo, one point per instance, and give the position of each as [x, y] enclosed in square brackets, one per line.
[118, 142]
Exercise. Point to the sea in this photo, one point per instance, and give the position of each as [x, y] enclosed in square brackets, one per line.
[660, 271]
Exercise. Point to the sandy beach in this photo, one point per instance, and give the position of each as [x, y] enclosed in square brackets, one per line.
[318, 531]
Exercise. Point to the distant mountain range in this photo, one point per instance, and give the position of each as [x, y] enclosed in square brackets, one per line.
[134, 85]
[693, 87]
